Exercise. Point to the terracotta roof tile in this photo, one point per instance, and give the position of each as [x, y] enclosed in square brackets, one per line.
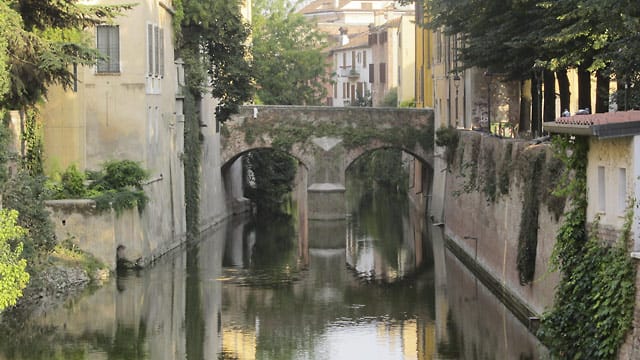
[601, 118]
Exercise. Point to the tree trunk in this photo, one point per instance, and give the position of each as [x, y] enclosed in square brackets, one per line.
[563, 88]
[525, 106]
[549, 96]
[536, 106]
[602, 92]
[584, 88]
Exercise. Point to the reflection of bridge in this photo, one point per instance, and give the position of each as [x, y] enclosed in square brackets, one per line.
[326, 141]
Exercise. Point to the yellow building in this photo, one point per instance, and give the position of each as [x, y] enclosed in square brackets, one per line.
[423, 79]
[128, 106]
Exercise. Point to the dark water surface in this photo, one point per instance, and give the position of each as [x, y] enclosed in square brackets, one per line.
[380, 285]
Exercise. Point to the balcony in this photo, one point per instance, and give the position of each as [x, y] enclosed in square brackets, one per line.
[353, 74]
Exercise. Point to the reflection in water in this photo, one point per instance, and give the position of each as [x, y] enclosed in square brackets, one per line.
[253, 290]
[381, 243]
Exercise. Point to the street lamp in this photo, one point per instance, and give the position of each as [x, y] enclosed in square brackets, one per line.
[456, 83]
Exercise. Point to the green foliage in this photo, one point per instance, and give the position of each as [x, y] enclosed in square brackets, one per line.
[382, 168]
[26, 194]
[505, 169]
[593, 307]
[528, 235]
[13, 274]
[5, 155]
[268, 178]
[117, 186]
[290, 67]
[489, 180]
[390, 98]
[411, 103]
[120, 174]
[449, 138]
[213, 46]
[192, 158]
[72, 184]
[363, 100]
[43, 39]
[32, 160]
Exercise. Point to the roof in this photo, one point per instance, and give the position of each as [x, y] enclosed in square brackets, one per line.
[356, 41]
[603, 125]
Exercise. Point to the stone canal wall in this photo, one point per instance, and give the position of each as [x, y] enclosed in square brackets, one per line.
[494, 189]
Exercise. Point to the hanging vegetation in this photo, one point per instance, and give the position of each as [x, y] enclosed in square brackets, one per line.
[593, 307]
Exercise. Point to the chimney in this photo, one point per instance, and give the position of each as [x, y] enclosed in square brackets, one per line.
[344, 38]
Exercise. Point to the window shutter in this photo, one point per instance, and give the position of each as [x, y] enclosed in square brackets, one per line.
[383, 72]
[156, 54]
[372, 73]
[149, 49]
[161, 52]
[102, 37]
[108, 44]
[114, 49]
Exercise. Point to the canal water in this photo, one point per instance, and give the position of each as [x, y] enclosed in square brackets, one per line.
[378, 285]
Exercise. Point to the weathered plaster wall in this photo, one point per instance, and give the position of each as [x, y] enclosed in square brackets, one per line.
[99, 233]
[610, 183]
[220, 189]
[489, 232]
[120, 115]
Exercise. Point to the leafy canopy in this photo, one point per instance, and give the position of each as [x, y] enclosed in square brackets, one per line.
[290, 67]
[43, 38]
[213, 45]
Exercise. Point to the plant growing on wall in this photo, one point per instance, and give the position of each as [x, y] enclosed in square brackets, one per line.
[593, 307]
[118, 185]
[448, 137]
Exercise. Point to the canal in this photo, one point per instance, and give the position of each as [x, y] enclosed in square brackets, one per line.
[378, 285]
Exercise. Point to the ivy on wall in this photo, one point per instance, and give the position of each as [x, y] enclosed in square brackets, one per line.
[492, 167]
[593, 307]
[285, 133]
[528, 235]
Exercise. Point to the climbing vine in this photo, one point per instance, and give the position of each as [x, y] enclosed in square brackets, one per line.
[504, 171]
[286, 133]
[528, 235]
[593, 307]
[32, 142]
[449, 138]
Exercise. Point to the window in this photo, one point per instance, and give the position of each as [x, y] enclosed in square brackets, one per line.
[353, 59]
[383, 72]
[601, 190]
[371, 73]
[155, 58]
[344, 59]
[108, 44]
[622, 190]
[364, 59]
[155, 51]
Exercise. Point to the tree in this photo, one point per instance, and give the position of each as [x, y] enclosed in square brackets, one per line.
[213, 43]
[211, 40]
[44, 38]
[290, 67]
[13, 276]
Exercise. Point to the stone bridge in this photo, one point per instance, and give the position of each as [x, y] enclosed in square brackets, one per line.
[327, 140]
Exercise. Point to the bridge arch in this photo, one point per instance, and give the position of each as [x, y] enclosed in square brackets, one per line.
[327, 140]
